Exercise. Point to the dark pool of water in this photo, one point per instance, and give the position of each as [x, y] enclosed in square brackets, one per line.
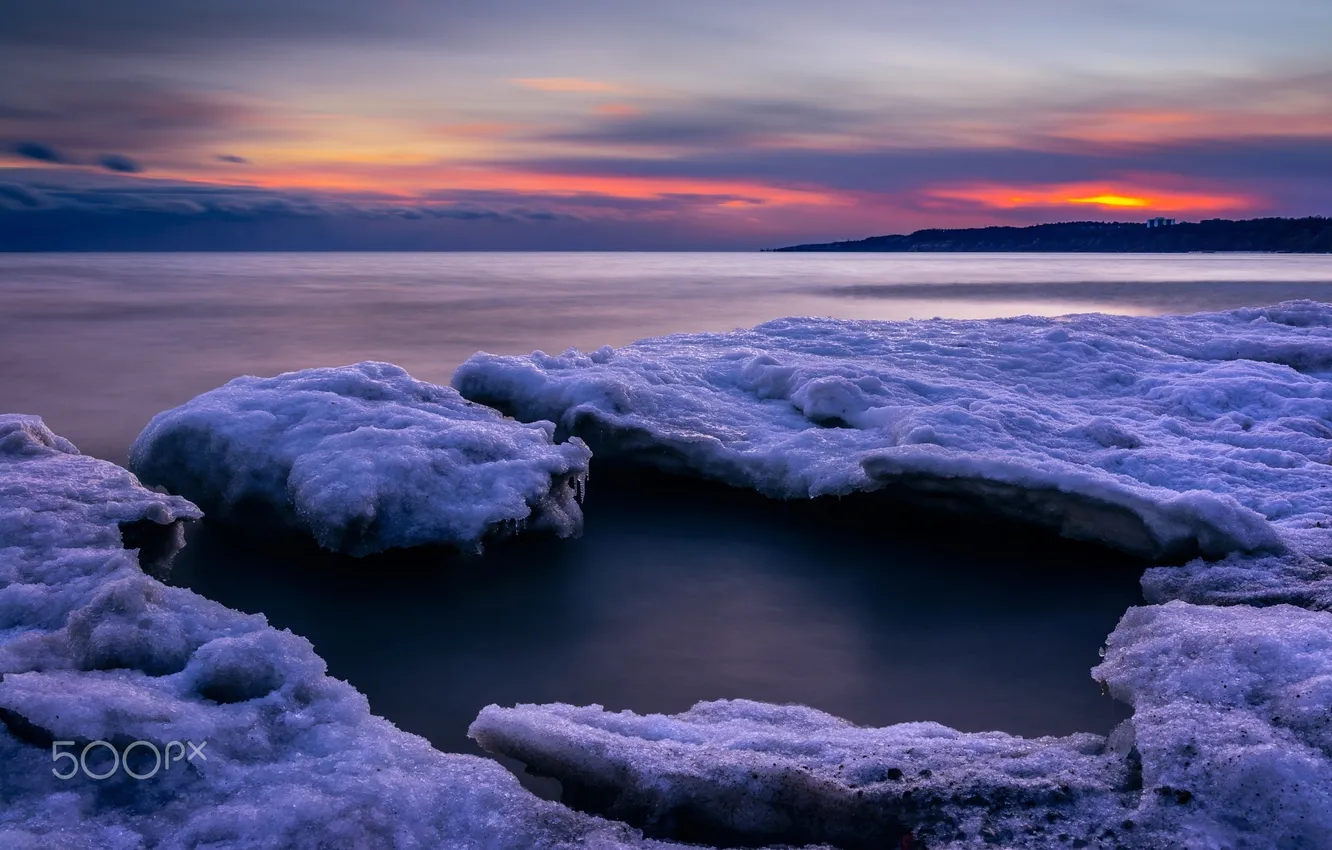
[682, 591]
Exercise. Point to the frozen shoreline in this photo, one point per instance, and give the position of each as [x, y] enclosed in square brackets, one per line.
[1169, 437]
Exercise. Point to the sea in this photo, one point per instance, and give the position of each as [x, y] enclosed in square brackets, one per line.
[679, 590]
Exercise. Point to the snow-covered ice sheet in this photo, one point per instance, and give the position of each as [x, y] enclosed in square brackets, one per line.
[743, 773]
[1291, 579]
[1168, 437]
[1232, 718]
[93, 649]
[364, 458]
[60, 507]
[1229, 747]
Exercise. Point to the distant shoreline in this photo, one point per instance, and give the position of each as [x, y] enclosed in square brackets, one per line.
[1311, 235]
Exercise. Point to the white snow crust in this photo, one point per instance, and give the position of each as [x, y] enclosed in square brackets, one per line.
[91, 648]
[364, 458]
[1233, 722]
[1168, 437]
[1229, 746]
[739, 772]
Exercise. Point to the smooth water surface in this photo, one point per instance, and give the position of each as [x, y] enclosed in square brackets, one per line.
[98, 343]
[682, 591]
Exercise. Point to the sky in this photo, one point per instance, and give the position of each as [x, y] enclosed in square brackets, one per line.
[647, 124]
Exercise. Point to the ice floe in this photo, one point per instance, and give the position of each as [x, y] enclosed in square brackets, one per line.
[1232, 720]
[1168, 437]
[743, 773]
[94, 650]
[364, 458]
[1229, 746]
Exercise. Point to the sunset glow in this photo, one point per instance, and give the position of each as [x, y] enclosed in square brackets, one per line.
[673, 125]
[1103, 197]
[1112, 201]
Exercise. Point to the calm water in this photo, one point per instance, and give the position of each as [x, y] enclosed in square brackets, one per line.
[681, 591]
[99, 343]
[678, 591]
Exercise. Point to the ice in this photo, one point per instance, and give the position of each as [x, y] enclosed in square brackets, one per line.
[60, 514]
[93, 649]
[735, 772]
[1230, 720]
[1292, 579]
[1229, 746]
[364, 458]
[1169, 437]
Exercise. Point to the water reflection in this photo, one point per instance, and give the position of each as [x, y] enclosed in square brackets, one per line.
[682, 591]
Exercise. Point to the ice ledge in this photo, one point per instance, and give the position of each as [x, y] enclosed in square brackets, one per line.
[1079, 502]
[1166, 436]
[1229, 746]
[364, 458]
[740, 773]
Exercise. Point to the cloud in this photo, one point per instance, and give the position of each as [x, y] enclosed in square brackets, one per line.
[120, 163]
[568, 85]
[231, 26]
[82, 209]
[618, 110]
[1233, 164]
[39, 152]
[137, 118]
[715, 123]
[15, 197]
[232, 158]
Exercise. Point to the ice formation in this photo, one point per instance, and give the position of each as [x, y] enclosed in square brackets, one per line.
[1229, 746]
[1168, 437]
[1232, 719]
[364, 458]
[744, 773]
[92, 649]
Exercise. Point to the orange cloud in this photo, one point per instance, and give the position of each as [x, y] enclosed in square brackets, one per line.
[408, 181]
[618, 110]
[1103, 196]
[475, 130]
[1130, 127]
[573, 85]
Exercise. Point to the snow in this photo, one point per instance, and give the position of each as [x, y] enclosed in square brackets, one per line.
[93, 649]
[364, 458]
[1229, 746]
[1168, 437]
[1231, 719]
[1292, 579]
[735, 772]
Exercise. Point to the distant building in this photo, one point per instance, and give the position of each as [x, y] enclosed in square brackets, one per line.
[1161, 222]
